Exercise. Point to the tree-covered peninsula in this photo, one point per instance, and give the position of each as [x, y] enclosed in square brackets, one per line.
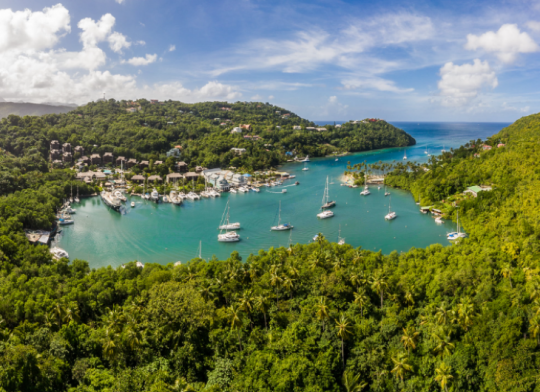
[206, 133]
[317, 317]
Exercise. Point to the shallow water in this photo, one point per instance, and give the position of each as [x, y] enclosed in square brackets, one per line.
[167, 233]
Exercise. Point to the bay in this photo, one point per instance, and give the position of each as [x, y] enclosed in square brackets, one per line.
[164, 233]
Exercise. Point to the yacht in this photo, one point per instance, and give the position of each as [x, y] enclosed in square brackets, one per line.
[366, 191]
[59, 253]
[194, 196]
[439, 220]
[337, 159]
[456, 234]
[182, 196]
[280, 226]
[70, 210]
[243, 189]
[225, 224]
[205, 194]
[257, 190]
[132, 204]
[325, 214]
[111, 200]
[147, 196]
[327, 203]
[119, 195]
[292, 176]
[155, 196]
[77, 197]
[175, 198]
[391, 215]
[166, 199]
[306, 159]
[228, 236]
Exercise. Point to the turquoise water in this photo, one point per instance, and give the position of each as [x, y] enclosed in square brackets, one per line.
[167, 233]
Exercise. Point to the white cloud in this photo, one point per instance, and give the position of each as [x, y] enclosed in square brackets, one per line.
[332, 99]
[120, 1]
[117, 42]
[460, 84]
[506, 43]
[373, 83]
[95, 32]
[172, 48]
[524, 109]
[27, 30]
[270, 97]
[332, 108]
[141, 42]
[256, 97]
[533, 25]
[138, 61]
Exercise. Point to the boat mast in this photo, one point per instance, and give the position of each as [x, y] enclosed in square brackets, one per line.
[279, 218]
[200, 249]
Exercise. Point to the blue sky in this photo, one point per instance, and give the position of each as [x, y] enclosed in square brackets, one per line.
[325, 60]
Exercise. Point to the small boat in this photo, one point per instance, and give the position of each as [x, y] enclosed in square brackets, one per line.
[132, 204]
[366, 191]
[391, 215]
[379, 188]
[456, 234]
[337, 159]
[243, 189]
[284, 191]
[147, 196]
[65, 222]
[386, 193]
[325, 214]
[253, 189]
[281, 227]
[296, 183]
[443, 149]
[77, 196]
[439, 220]
[305, 167]
[341, 241]
[315, 237]
[292, 176]
[354, 186]
[58, 253]
[155, 196]
[405, 156]
[70, 210]
[165, 199]
[326, 202]
[233, 190]
[306, 159]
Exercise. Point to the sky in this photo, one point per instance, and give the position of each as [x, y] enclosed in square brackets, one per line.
[323, 60]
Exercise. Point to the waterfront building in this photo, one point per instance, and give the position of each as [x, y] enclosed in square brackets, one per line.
[120, 161]
[90, 176]
[174, 177]
[138, 178]
[95, 159]
[181, 167]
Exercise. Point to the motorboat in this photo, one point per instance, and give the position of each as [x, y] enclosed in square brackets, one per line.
[233, 190]
[281, 226]
[257, 190]
[386, 193]
[132, 204]
[284, 190]
[58, 253]
[230, 236]
[182, 195]
[439, 220]
[326, 202]
[147, 196]
[193, 196]
[65, 222]
[119, 195]
[69, 210]
[243, 189]
[155, 196]
[337, 159]
[292, 176]
[315, 237]
[325, 214]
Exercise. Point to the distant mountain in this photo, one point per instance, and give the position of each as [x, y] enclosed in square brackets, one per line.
[31, 109]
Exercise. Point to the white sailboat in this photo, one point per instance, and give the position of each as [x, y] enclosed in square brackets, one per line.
[391, 215]
[228, 236]
[405, 156]
[443, 149]
[456, 234]
[305, 167]
[386, 193]
[228, 225]
[71, 197]
[326, 202]
[77, 197]
[366, 191]
[341, 241]
[281, 227]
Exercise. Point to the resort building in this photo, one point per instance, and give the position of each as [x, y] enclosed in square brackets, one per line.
[236, 130]
[143, 164]
[55, 145]
[79, 150]
[66, 147]
[55, 155]
[67, 157]
[157, 163]
[217, 179]
[84, 160]
[120, 161]
[191, 176]
[155, 178]
[95, 159]
[174, 177]
[90, 176]
[131, 162]
[181, 167]
[238, 151]
[173, 152]
[247, 127]
[485, 147]
[138, 178]
[108, 157]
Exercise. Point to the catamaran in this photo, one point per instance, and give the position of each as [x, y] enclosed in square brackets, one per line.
[228, 236]
[456, 234]
[391, 215]
[325, 200]
[281, 227]
[228, 225]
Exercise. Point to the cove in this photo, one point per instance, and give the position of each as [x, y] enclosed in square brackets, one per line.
[164, 233]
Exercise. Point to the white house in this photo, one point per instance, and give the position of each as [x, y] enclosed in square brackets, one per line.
[297, 127]
[236, 130]
[238, 151]
[338, 125]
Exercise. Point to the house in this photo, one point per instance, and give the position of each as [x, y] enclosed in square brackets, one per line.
[154, 101]
[286, 115]
[95, 159]
[226, 109]
[174, 152]
[170, 123]
[321, 129]
[191, 176]
[223, 124]
[174, 177]
[247, 127]
[154, 178]
[310, 128]
[500, 145]
[249, 137]
[131, 110]
[338, 125]
[238, 151]
[199, 169]
[297, 128]
[278, 111]
[84, 160]
[474, 190]
[143, 164]
[256, 137]
[120, 161]
[66, 147]
[476, 155]
[131, 162]
[217, 119]
[138, 178]
[90, 176]
[236, 130]
[485, 147]
[55, 145]
[55, 155]
[79, 150]
[67, 157]
[108, 157]
[157, 163]
[216, 177]
[181, 167]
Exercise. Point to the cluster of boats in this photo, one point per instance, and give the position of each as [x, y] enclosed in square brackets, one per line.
[245, 189]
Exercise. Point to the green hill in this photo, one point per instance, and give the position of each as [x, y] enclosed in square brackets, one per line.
[30, 109]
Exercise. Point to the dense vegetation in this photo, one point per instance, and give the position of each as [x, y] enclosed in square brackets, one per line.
[154, 129]
[317, 317]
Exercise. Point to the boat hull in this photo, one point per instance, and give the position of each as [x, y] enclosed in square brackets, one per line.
[330, 204]
[281, 228]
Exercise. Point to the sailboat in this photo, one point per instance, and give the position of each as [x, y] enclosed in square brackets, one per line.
[341, 241]
[305, 167]
[405, 156]
[228, 225]
[200, 250]
[325, 200]
[71, 197]
[428, 154]
[443, 149]
[391, 215]
[366, 191]
[146, 194]
[77, 197]
[426, 151]
[456, 234]
[281, 227]
[228, 236]
[386, 193]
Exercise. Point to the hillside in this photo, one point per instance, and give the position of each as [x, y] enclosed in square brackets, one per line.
[203, 130]
[30, 109]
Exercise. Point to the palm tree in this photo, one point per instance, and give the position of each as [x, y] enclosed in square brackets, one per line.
[263, 304]
[132, 337]
[401, 366]
[275, 280]
[322, 310]
[442, 314]
[288, 283]
[342, 326]
[465, 313]
[534, 328]
[352, 383]
[410, 335]
[110, 349]
[379, 284]
[444, 344]
[362, 300]
[236, 321]
[443, 376]
[320, 239]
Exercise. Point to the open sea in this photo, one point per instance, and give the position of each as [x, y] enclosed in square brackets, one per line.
[164, 233]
